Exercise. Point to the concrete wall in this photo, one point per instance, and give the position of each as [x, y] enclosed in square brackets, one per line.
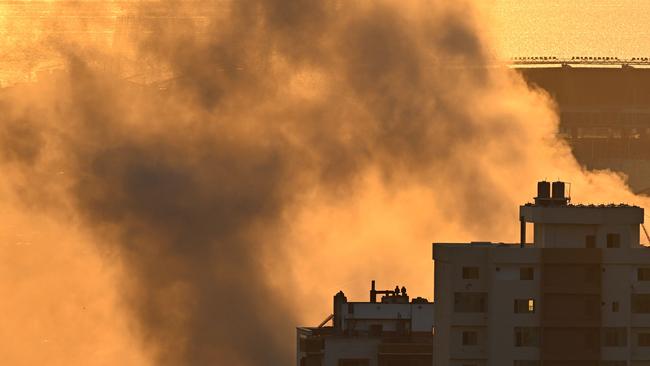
[350, 348]
[499, 276]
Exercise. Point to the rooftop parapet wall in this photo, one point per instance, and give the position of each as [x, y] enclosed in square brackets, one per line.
[582, 214]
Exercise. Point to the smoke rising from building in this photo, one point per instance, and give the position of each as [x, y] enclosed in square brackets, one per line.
[296, 146]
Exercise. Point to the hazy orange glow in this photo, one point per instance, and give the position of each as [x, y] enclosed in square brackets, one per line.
[571, 28]
[469, 146]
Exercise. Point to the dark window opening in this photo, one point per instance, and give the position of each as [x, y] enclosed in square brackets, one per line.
[590, 241]
[614, 337]
[641, 303]
[526, 337]
[526, 273]
[470, 338]
[615, 306]
[312, 344]
[644, 339]
[613, 240]
[375, 330]
[643, 274]
[470, 273]
[470, 302]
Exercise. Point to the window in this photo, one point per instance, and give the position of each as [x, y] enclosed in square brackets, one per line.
[470, 338]
[526, 273]
[311, 344]
[590, 241]
[526, 337]
[614, 337]
[470, 273]
[644, 339]
[470, 302]
[524, 306]
[641, 303]
[643, 274]
[615, 306]
[613, 241]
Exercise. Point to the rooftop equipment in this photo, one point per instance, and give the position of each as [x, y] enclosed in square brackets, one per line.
[554, 194]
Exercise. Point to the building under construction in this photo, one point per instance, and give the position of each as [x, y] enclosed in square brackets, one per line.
[604, 106]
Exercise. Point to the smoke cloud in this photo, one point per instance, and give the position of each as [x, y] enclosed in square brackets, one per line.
[248, 159]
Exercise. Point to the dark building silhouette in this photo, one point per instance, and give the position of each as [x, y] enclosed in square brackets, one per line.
[393, 330]
[604, 110]
[578, 295]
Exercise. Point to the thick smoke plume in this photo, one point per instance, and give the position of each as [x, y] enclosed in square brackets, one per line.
[286, 149]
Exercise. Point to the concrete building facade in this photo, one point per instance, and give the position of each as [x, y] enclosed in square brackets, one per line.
[579, 294]
[390, 332]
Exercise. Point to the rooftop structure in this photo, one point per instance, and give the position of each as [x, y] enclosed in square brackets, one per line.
[580, 61]
[579, 294]
[392, 331]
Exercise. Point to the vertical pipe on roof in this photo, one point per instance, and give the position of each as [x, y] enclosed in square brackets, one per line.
[522, 232]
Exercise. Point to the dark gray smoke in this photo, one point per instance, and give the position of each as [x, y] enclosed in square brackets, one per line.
[194, 182]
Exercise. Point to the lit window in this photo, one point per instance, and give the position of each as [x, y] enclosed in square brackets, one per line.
[523, 306]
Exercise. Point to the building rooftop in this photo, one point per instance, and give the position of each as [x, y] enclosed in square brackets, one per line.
[602, 205]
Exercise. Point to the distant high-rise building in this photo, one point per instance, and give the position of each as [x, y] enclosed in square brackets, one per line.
[604, 109]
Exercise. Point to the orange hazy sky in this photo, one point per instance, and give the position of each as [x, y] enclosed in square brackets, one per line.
[468, 140]
[566, 28]
[520, 27]
[563, 28]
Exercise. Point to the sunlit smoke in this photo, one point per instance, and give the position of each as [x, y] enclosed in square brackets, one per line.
[245, 163]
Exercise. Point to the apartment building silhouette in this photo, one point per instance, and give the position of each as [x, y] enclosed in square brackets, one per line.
[579, 294]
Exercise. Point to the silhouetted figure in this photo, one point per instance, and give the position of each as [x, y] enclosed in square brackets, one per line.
[396, 290]
[403, 291]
